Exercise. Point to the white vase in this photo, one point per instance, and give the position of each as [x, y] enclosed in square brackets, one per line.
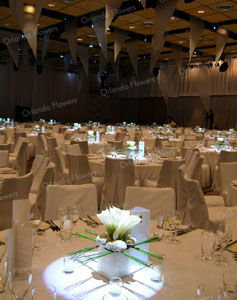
[114, 265]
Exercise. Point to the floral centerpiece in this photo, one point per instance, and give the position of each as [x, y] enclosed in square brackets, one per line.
[114, 244]
[91, 137]
[131, 149]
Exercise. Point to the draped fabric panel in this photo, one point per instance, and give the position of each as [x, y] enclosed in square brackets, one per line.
[27, 88]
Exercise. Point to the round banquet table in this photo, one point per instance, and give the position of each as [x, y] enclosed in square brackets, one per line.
[183, 266]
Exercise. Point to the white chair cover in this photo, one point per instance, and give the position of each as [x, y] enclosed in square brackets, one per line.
[61, 173]
[79, 169]
[116, 144]
[38, 160]
[228, 172]
[159, 201]
[197, 168]
[4, 157]
[228, 156]
[83, 146]
[2, 139]
[18, 134]
[181, 195]
[65, 195]
[52, 143]
[39, 173]
[18, 145]
[168, 173]
[13, 189]
[168, 152]
[120, 136]
[19, 162]
[41, 145]
[192, 162]
[196, 211]
[73, 149]
[118, 175]
[6, 147]
[38, 201]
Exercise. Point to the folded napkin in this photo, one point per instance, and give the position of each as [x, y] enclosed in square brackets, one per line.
[19, 241]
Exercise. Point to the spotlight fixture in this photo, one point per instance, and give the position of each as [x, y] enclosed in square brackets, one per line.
[224, 66]
[30, 9]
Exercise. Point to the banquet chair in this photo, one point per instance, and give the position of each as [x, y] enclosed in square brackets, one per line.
[18, 145]
[65, 195]
[68, 135]
[158, 201]
[14, 202]
[52, 143]
[196, 211]
[18, 134]
[73, 149]
[38, 160]
[227, 156]
[62, 129]
[79, 169]
[168, 152]
[61, 173]
[6, 147]
[83, 146]
[4, 157]
[120, 136]
[2, 139]
[38, 174]
[137, 137]
[228, 173]
[192, 162]
[41, 145]
[38, 199]
[59, 138]
[116, 144]
[118, 175]
[181, 194]
[19, 163]
[195, 172]
[80, 173]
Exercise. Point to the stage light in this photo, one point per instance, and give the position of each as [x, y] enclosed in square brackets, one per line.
[224, 67]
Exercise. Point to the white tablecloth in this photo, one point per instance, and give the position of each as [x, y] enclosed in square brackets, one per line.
[184, 269]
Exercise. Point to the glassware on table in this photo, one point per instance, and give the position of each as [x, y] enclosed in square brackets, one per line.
[19, 282]
[35, 222]
[75, 210]
[203, 291]
[41, 292]
[3, 272]
[175, 220]
[62, 213]
[160, 227]
[68, 264]
[66, 229]
[156, 273]
[208, 241]
[115, 290]
[223, 236]
[230, 280]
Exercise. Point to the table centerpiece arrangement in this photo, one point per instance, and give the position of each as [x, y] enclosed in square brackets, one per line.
[114, 245]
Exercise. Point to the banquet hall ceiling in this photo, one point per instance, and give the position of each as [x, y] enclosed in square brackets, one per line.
[135, 23]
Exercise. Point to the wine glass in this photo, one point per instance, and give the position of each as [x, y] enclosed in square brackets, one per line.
[19, 282]
[40, 292]
[35, 221]
[224, 234]
[175, 220]
[75, 213]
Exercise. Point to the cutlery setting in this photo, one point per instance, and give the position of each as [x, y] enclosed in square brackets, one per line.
[53, 226]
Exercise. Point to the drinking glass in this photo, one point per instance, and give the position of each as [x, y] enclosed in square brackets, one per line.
[66, 230]
[223, 235]
[40, 292]
[19, 282]
[75, 213]
[35, 221]
[230, 279]
[115, 290]
[208, 240]
[62, 213]
[175, 220]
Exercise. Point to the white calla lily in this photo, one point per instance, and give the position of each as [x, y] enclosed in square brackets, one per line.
[119, 223]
